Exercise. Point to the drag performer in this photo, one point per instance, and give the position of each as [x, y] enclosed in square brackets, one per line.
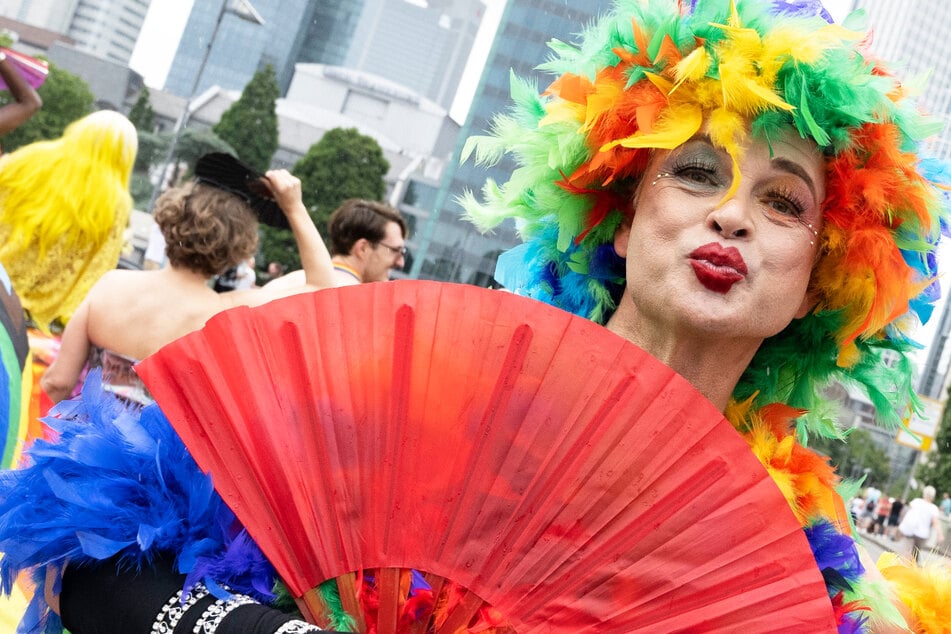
[731, 186]
[56, 241]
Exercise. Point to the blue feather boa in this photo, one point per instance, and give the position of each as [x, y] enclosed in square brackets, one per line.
[118, 482]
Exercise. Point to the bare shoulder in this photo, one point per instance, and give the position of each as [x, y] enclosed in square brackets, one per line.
[116, 280]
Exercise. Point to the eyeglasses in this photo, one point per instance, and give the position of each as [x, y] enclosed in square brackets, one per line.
[394, 250]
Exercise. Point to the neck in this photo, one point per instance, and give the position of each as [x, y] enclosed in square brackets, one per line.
[348, 263]
[183, 276]
[713, 365]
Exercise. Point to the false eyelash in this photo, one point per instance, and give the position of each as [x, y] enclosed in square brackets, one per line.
[789, 196]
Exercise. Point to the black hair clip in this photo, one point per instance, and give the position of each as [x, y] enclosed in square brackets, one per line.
[229, 173]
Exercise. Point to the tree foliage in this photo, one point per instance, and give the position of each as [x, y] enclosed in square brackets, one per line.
[66, 98]
[152, 148]
[142, 115]
[937, 470]
[250, 124]
[858, 456]
[342, 164]
[192, 144]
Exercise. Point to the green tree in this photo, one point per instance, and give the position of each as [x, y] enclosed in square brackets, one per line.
[66, 98]
[342, 164]
[250, 124]
[152, 148]
[142, 115]
[193, 143]
[937, 470]
[854, 457]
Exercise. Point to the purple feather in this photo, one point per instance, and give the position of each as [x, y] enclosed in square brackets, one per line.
[834, 552]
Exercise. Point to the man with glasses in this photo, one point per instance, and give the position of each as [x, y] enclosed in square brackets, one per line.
[367, 241]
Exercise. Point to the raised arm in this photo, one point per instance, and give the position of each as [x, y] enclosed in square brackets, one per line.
[26, 100]
[318, 269]
[315, 258]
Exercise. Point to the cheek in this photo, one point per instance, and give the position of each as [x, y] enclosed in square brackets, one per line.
[790, 267]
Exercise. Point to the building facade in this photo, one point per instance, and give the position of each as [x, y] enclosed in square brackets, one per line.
[425, 48]
[220, 47]
[915, 36]
[450, 248]
[107, 29]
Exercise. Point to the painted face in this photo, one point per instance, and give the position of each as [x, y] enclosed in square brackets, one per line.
[736, 267]
[386, 254]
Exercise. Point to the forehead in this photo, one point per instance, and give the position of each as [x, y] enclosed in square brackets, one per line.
[393, 233]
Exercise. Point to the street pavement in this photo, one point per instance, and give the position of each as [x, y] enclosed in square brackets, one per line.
[877, 544]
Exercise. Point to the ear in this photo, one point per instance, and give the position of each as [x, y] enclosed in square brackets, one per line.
[360, 248]
[621, 237]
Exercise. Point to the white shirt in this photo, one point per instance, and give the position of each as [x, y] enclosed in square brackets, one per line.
[918, 519]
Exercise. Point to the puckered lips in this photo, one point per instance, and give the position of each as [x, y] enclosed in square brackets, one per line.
[718, 267]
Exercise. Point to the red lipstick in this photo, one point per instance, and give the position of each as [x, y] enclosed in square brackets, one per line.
[717, 267]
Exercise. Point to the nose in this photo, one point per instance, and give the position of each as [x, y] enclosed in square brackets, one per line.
[399, 262]
[733, 218]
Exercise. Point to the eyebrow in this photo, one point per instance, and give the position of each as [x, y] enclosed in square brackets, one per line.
[796, 169]
[783, 164]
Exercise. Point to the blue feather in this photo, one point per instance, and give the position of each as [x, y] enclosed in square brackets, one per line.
[118, 481]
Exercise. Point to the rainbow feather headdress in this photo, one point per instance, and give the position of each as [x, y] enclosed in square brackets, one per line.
[648, 76]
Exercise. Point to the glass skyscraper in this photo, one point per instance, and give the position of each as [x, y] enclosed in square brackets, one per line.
[424, 48]
[449, 248]
[239, 48]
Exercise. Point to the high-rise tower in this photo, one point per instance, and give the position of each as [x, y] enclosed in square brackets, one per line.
[449, 247]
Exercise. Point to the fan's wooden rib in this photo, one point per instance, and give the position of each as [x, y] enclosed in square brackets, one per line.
[388, 585]
[312, 606]
[436, 584]
[460, 617]
[347, 587]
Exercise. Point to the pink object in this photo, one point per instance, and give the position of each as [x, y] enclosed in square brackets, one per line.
[33, 70]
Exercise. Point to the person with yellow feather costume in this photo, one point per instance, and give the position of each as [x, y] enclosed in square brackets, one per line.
[64, 207]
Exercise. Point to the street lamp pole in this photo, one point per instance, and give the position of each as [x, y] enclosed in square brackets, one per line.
[244, 10]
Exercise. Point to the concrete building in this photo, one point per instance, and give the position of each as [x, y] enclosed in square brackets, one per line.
[424, 46]
[450, 247]
[106, 29]
[113, 83]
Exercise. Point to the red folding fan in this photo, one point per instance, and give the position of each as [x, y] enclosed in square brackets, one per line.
[541, 473]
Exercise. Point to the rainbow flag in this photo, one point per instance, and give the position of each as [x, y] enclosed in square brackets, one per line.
[16, 376]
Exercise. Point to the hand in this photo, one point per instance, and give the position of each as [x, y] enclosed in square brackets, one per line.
[286, 189]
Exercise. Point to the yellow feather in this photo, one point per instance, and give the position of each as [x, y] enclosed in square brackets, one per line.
[604, 98]
[560, 111]
[926, 590]
[693, 67]
[675, 127]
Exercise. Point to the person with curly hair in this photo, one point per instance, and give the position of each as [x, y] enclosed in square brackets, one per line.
[128, 315]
